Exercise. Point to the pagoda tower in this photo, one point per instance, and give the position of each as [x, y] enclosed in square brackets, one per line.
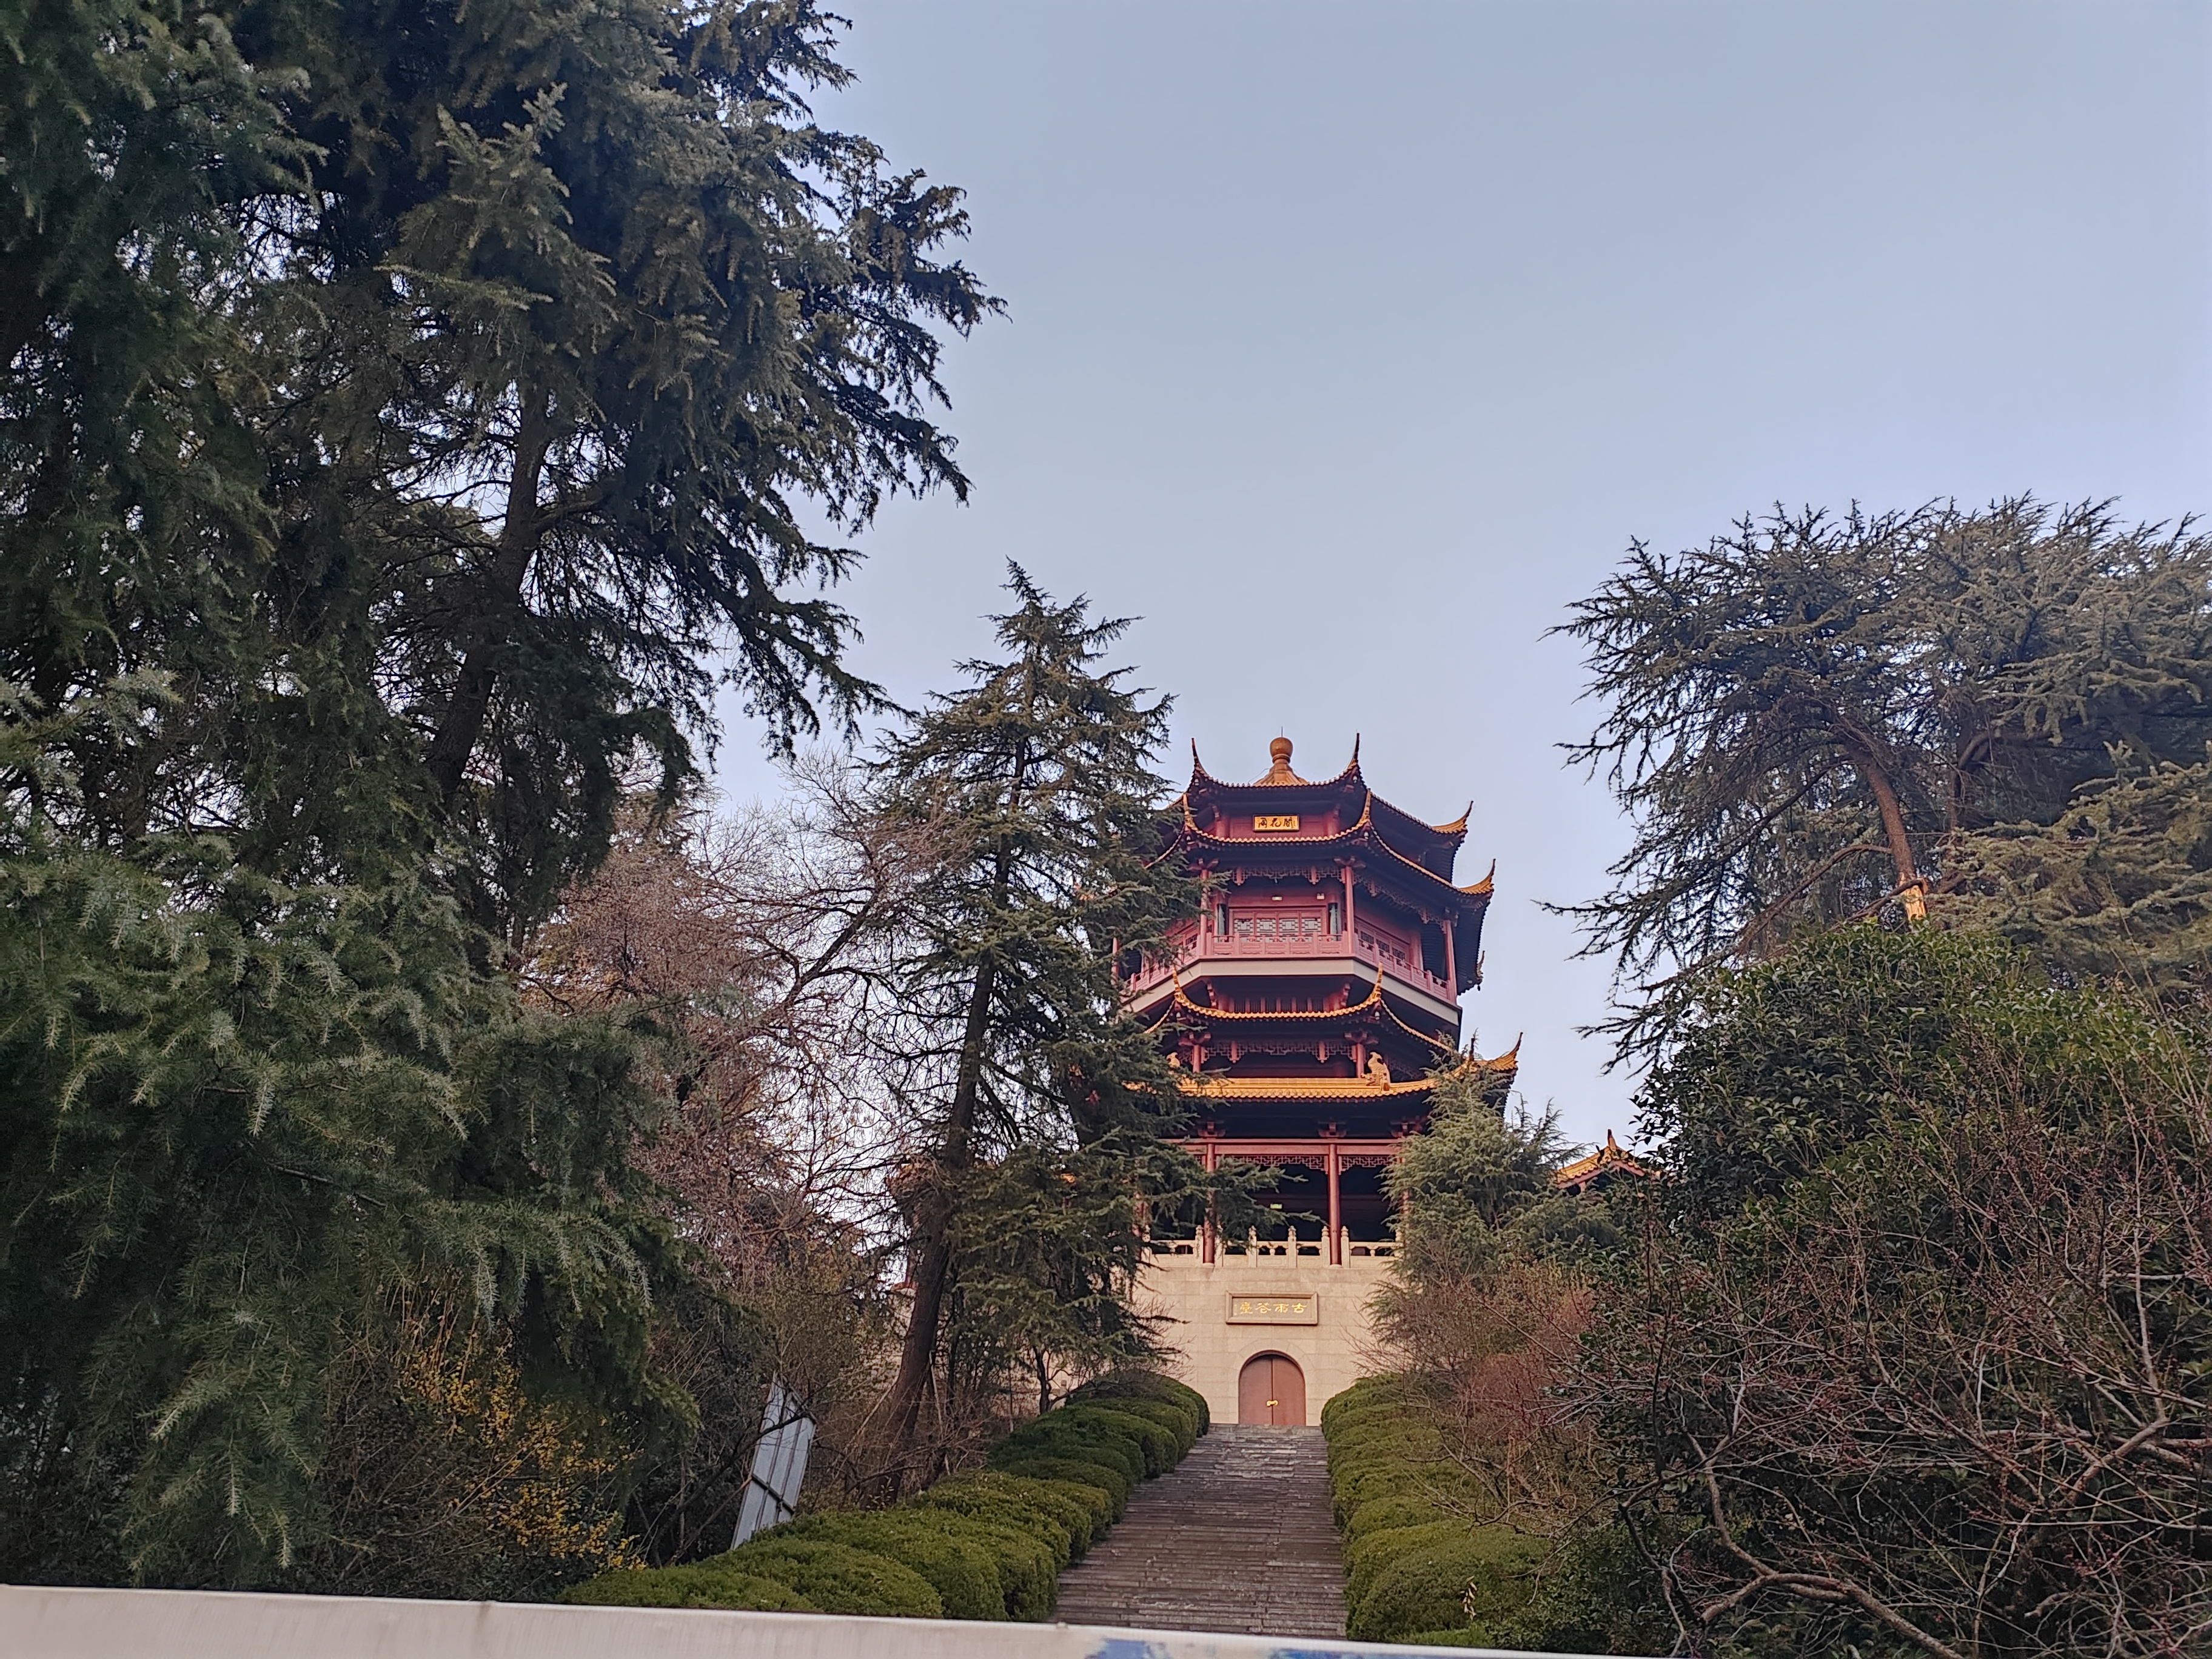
[1308, 1008]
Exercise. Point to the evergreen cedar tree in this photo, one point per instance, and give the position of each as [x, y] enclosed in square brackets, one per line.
[1039, 775]
[1815, 715]
[403, 407]
[448, 409]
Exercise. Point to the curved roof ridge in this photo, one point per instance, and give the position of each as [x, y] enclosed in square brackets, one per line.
[1382, 842]
[1275, 780]
[1410, 1030]
[1458, 825]
[1175, 976]
[1364, 828]
[1373, 997]
[1279, 774]
[1350, 773]
[1508, 1063]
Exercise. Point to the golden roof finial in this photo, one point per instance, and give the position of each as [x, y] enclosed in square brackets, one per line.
[1279, 753]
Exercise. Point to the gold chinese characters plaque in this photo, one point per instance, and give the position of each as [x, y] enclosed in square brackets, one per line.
[1291, 1310]
[1275, 820]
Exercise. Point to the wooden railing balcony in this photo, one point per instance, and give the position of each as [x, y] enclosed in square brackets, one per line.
[1252, 1247]
[1403, 965]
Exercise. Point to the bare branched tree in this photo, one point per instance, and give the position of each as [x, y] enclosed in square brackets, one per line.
[1951, 1387]
[761, 947]
[762, 942]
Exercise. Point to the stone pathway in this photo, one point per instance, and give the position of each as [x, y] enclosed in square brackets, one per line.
[1237, 1537]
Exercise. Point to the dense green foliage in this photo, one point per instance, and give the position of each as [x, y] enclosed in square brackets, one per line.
[1159, 1394]
[407, 412]
[237, 1125]
[1772, 1072]
[1076, 1464]
[837, 1578]
[2116, 887]
[979, 1569]
[1476, 1195]
[1466, 1495]
[983, 1545]
[1070, 1514]
[1424, 1564]
[1904, 1352]
[1904, 1349]
[403, 403]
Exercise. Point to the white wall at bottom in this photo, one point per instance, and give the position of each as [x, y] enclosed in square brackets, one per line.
[108, 1624]
[1333, 1353]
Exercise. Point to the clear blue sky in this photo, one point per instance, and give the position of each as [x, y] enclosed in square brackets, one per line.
[1347, 344]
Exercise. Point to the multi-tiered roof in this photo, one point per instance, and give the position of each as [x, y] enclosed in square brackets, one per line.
[1311, 1002]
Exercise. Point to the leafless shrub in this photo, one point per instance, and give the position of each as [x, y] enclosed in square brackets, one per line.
[1954, 1386]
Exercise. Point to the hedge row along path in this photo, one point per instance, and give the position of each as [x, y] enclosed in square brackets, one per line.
[1238, 1537]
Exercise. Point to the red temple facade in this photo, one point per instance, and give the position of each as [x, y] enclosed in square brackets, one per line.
[1310, 1007]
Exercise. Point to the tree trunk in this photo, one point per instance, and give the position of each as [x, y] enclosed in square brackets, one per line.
[1893, 825]
[933, 1259]
[471, 704]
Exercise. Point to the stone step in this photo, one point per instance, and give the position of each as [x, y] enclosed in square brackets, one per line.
[1236, 1538]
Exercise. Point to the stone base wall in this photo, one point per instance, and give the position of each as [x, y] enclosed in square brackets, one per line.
[1332, 1338]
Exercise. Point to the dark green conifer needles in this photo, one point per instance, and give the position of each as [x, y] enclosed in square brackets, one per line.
[407, 409]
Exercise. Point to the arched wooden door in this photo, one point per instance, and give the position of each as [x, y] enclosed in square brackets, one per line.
[1272, 1389]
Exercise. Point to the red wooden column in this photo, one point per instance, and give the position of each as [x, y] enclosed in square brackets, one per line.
[1451, 965]
[1335, 1257]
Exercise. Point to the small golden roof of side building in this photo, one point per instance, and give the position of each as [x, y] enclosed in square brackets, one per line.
[1607, 1163]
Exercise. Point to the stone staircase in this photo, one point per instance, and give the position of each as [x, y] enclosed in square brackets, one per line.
[1236, 1538]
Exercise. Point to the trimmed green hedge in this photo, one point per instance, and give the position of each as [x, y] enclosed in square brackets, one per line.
[1060, 1513]
[985, 1545]
[962, 1568]
[1415, 1565]
[710, 1583]
[1152, 1387]
[1138, 1448]
[1419, 1570]
[1111, 1481]
[839, 1578]
[1181, 1424]
[1446, 1575]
